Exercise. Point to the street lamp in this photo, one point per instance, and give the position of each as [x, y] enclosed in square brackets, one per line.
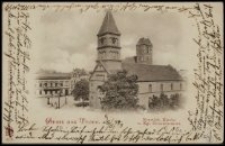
[60, 93]
[48, 100]
[65, 99]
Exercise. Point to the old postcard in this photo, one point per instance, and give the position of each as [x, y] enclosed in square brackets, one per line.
[124, 72]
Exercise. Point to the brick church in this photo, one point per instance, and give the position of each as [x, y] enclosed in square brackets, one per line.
[152, 79]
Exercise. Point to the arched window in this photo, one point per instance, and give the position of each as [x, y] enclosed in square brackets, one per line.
[150, 87]
[40, 84]
[117, 55]
[143, 49]
[102, 55]
[141, 58]
[171, 86]
[114, 41]
[113, 54]
[45, 84]
[147, 49]
[180, 86]
[161, 87]
[102, 41]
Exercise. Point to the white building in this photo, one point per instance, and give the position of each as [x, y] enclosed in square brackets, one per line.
[53, 84]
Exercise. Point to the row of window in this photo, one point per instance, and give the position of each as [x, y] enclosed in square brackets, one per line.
[150, 85]
[52, 92]
[50, 84]
[145, 50]
[104, 52]
[162, 87]
[113, 41]
[112, 54]
[142, 58]
[79, 75]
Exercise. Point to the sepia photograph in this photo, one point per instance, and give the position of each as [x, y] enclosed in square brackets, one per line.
[112, 72]
[111, 80]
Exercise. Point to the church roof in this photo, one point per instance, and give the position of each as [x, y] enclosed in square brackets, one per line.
[147, 73]
[152, 72]
[144, 41]
[132, 59]
[108, 25]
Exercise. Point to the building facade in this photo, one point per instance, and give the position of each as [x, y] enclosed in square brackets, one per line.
[55, 84]
[152, 79]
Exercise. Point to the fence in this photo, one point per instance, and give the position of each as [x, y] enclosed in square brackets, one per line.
[57, 101]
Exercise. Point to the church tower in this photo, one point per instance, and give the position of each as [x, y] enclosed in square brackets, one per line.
[109, 43]
[108, 59]
[144, 51]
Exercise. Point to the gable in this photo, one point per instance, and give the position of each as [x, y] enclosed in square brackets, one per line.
[99, 72]
[100, 68]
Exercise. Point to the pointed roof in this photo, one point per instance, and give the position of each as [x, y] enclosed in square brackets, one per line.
[108, 25]
[144, 41]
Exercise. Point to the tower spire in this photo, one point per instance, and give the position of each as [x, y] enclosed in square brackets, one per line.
[108, 25]
[109, 43]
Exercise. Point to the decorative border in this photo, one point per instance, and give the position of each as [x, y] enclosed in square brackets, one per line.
[205, 120]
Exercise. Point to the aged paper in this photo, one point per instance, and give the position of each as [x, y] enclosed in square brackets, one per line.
[112, 73]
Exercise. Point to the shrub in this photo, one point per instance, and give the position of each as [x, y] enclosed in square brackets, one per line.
[120, 92]
[164, 103]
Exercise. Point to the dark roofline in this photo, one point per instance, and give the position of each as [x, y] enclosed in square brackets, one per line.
[99, 35]
[53, 76]
[160, 80]
[144, 41]
[104, 60]
[102, 47]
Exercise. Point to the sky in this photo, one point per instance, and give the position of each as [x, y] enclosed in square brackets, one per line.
[67, 40]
